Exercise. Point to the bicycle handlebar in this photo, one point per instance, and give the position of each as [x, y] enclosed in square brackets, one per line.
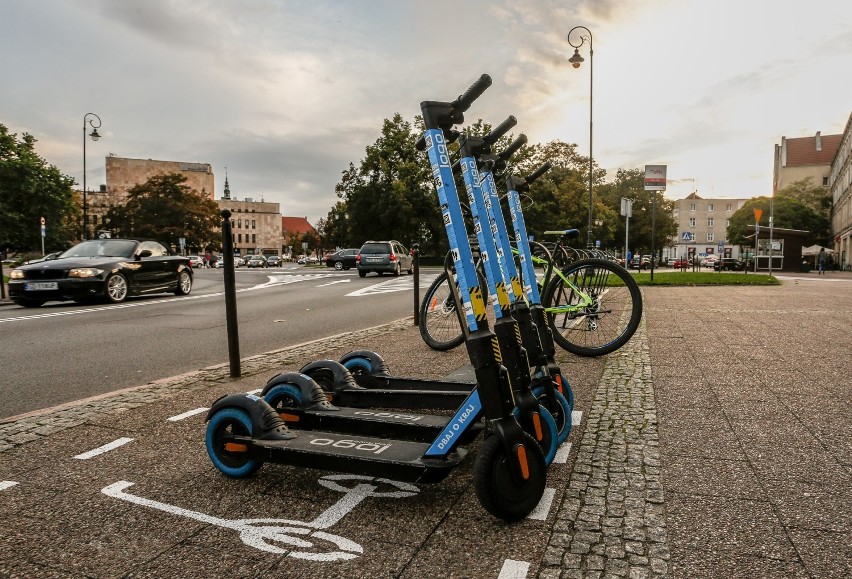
[538, 172]
[463, 102]
[565, 232]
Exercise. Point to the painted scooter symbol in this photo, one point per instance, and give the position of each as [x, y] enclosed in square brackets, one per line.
[300, 537]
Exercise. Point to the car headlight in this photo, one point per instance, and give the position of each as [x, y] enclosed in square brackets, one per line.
[85, 272]
[16, 274]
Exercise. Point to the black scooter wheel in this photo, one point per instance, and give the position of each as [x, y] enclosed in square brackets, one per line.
[230, 458]
[500, 491]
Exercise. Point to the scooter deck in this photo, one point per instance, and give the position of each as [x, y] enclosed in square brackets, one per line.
[397, 459]
[372, 422]
[396, 383]
[401, 398]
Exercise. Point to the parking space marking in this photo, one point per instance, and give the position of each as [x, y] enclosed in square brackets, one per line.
[514, 569]
[543, 507]
[576, 417]
[187, 414]
[263, 533]
[6, 484]
[105, 448]
[255, 391]
[562, 453]
[393, 285]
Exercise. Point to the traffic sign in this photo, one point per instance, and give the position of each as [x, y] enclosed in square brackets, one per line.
[757, 214]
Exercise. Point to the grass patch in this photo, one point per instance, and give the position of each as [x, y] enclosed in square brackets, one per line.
[670, 278]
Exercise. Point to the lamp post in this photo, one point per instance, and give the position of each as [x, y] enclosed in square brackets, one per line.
[575, 61]
[95, 136]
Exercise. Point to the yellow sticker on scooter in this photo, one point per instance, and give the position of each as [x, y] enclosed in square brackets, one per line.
[478, 303]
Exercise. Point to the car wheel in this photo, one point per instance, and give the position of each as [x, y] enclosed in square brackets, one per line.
[338, 265]
[362, 273]
[116, 288]
[184, 285]
[397, 270]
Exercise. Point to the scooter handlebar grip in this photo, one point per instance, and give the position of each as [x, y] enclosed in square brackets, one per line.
[500, 130]
[463, 102]
[513, 148]
[539, 172]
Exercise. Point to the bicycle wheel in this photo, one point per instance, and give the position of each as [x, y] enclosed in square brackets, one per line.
[439, 322]
[605, 324]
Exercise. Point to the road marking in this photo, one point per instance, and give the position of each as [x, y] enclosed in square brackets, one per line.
[562, 454]
[105, 448]
[296, 538]
[576, 417]
[334, 282]
[514, 569]
[187, 414]
[6, 484]
[257, 391]
[394, 285]
[543, 506]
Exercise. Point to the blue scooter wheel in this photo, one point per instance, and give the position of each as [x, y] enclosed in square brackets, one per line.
[562, 418]
[549, 442]
[358, 365]
[284, 396]
[232, 462]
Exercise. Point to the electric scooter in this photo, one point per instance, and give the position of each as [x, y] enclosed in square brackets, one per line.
[509, 470]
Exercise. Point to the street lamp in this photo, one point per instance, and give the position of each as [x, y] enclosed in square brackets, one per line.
[95, 136]
[576, 60]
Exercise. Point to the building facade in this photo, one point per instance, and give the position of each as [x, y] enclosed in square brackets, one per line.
[800, 158]
[840, 186]
[255, 225]
[123, 174]
[702, 225]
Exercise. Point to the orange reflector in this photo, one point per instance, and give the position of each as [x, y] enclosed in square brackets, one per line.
[539, 435]
[329, 397]
[522, 461]
[559, 384]
[289, 417]
[235, 447]
[434, 304]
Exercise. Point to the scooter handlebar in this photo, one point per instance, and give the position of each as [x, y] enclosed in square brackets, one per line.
[500, 130]
[463, 102]
[538, 172]
[513, 148]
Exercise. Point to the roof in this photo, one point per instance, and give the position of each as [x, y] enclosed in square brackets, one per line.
[802, 151]
[693, 195]
[296, 225]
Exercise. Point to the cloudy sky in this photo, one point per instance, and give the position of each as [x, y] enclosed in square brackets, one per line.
[286, 93]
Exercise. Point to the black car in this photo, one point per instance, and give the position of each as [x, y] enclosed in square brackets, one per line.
[728, 264]
[343, 259]
[384, 256]
[102, 269]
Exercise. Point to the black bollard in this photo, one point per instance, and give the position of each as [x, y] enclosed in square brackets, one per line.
[415, 252]
[230, 295]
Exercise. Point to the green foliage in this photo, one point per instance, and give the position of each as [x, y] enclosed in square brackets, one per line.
[789, 213]
[165, 209]
[30, 188]
[684, 278]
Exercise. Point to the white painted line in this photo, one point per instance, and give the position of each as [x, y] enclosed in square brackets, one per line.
[334, 282]
[514, 569]
[6, 484]
[543, 506]
[258, 391]
[105, 448]
[187, 414]
[562, 454]
[576, 417]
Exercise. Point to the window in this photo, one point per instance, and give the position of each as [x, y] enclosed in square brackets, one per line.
[709, 237]
[239, 223]
[692, 206]
[709, 207]
[253, 224]
[692, 221]
[825, 181]
[253, 238]
[239, 238]
[727, 222]
[709, 222]
[156, 249]
[728, 207]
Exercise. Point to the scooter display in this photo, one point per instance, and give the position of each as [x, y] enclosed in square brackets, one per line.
[509, 469]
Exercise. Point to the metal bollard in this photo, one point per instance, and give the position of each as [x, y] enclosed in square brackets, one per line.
[230, 295]
[415, 252]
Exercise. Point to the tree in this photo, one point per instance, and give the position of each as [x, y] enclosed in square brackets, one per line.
[165, 209]
[816, 198]
[30, 189]
[788, 212]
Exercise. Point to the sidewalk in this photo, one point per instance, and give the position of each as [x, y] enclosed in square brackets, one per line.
[716, 443]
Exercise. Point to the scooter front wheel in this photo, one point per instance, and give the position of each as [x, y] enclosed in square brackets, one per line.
[229, 457]
[500, 491]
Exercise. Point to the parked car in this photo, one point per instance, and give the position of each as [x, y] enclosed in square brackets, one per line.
[220, 263]
[273, 260]
[641, 262]
[343, 259]
[109, 269]
[196, 261]
[680, 264]
[708, 261]
[729, 264]
[256, 261]
[383, 256]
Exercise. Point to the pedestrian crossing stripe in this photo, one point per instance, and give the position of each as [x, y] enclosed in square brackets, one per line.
[394, 285]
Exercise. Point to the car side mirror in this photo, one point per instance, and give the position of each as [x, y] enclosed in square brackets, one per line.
[143, 253]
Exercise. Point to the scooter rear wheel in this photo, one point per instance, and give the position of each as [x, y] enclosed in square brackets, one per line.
[549, 442]
[562, 418]
[499, 490]
[233, 462]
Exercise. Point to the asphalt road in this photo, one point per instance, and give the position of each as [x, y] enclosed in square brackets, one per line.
[63, 352]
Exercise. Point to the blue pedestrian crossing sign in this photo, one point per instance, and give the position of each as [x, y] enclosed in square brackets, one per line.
[686, 236]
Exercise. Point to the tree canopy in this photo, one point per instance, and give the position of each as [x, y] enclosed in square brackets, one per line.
[165, 209]
[788, 212]
[30, 189]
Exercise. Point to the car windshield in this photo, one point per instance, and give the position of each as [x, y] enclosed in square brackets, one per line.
[374, 248]
[102, 248]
